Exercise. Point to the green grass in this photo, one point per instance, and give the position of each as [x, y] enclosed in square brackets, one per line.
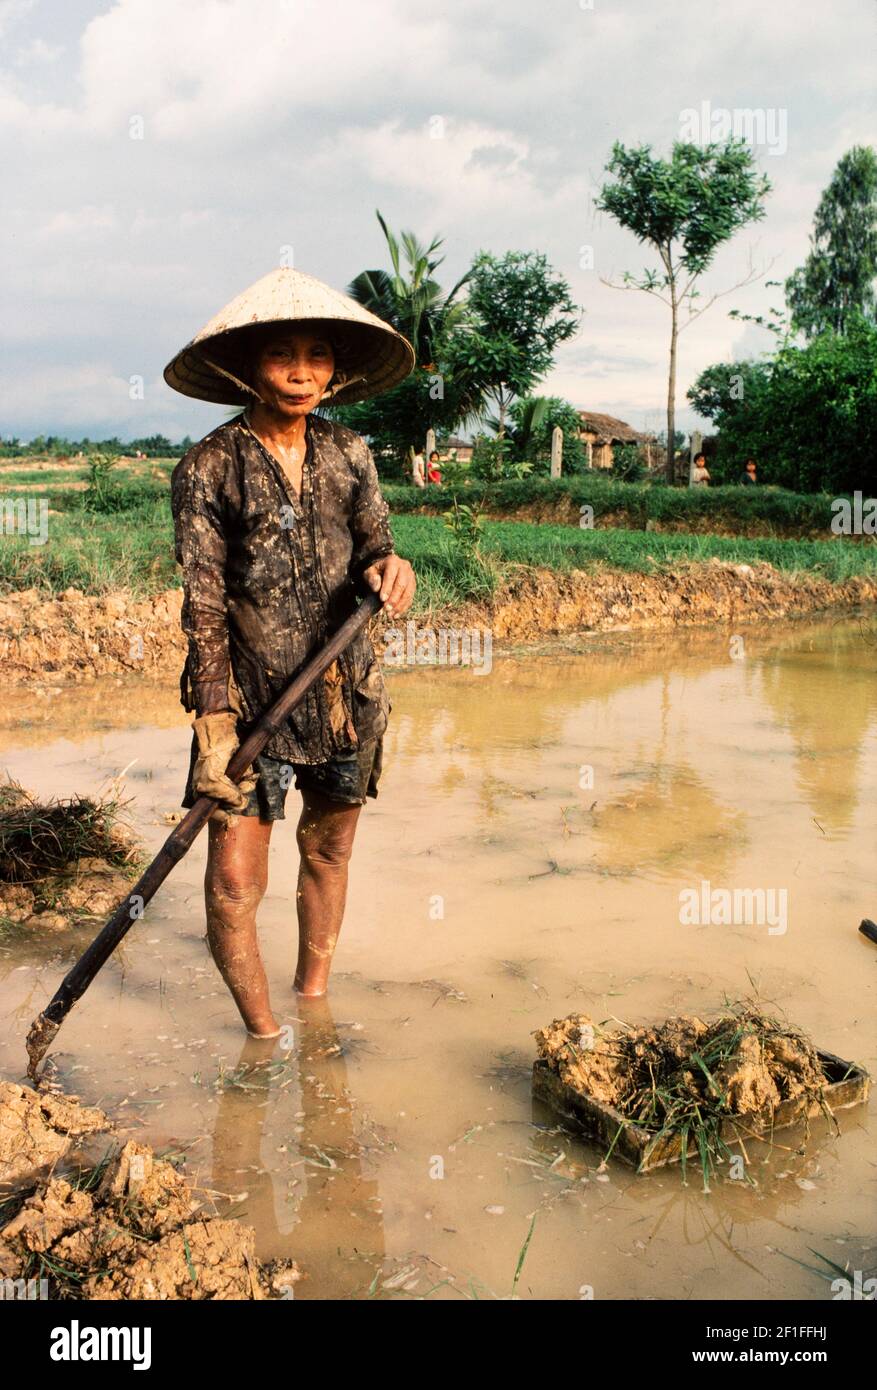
[423, 539]
[19, 477]
[735, 510]
[133, 550]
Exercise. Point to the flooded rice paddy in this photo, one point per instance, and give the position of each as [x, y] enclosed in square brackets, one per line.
[525, 859]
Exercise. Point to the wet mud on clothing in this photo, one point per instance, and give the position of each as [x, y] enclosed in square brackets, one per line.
[269, 574]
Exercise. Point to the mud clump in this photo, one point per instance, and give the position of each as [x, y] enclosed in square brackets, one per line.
[132, 1228]
[38, 1129]
[62, 860]
[738, 1064]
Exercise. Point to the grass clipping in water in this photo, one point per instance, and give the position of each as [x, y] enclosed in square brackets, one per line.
[685, 1078]
[62, 859]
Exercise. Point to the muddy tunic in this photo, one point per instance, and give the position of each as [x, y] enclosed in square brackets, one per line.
[266, 577]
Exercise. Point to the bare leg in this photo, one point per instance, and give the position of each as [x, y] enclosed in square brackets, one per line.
[325, 840]
[234, 885]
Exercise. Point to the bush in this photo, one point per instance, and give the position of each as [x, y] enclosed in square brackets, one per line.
[633, 505]
[107, 494]
[534, 419]
[627, 464]
[492, 460]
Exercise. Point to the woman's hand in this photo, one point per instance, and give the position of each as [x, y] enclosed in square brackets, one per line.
[394, 578]
[217, 741]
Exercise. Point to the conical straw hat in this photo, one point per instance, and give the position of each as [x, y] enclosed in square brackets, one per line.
[210, 367]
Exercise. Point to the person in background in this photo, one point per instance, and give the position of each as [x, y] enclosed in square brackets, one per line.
[435, 473]
[418, 469]
[747, 477]
[700, 476]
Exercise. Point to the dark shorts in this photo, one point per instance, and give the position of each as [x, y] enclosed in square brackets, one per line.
[348, 777]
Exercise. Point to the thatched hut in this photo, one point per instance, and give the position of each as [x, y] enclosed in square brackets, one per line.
[455, 448]
[600, 433]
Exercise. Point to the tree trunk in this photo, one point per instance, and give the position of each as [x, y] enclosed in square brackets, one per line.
[671, 388]
[500, 434]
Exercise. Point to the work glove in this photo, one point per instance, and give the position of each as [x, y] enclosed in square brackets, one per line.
[217, 741]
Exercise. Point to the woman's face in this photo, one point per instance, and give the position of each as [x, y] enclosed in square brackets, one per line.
[292, 372]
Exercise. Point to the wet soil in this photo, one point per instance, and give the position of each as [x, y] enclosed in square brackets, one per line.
[761, 1063]
[523, 861]
[62, 862]
[130, 1228]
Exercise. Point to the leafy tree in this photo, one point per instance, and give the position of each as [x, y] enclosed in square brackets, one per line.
[808, 416]
[519, 311]
[835, 285]
[685, 208]
[398, 419]
[725, 387]
[153, 446]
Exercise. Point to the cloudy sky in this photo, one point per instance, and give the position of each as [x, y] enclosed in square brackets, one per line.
[160, 155]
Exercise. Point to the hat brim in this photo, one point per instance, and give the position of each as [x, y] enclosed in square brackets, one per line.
[375, 358]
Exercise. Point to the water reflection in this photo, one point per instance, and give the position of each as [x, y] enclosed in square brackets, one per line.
[311, 1198]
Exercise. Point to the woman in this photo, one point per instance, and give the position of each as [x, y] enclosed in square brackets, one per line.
[278, 519]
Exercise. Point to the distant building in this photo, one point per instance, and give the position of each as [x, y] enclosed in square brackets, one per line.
[600, 433]
[455, 448]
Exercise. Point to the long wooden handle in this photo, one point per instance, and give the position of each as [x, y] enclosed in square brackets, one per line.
[44, 1028]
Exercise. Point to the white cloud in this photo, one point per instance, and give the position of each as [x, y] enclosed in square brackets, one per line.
[38, 51]
[92, 398]
[467, 166]
[268, 123]
[11, 11]
[88, 222]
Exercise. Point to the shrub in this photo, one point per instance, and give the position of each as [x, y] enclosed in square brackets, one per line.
[107, 494]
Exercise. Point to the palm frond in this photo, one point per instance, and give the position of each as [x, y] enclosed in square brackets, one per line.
[392, 243]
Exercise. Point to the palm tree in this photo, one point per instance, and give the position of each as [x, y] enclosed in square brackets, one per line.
[530, 420]
[410, 299]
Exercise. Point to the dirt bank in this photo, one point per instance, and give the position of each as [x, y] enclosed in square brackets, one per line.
[544, 603]
[75, 637]
[131, 1228]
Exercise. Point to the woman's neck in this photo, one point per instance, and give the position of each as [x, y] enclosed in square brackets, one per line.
[289, 434]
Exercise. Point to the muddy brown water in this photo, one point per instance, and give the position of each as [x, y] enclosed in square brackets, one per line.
[389, 1142]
